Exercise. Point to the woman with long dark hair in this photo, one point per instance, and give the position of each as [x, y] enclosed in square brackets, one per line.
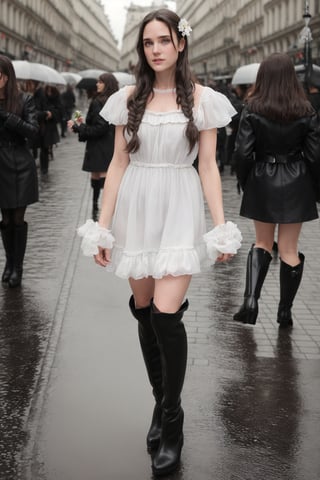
[153, 204]
[18, 173]
[99, 135]
[278, 167]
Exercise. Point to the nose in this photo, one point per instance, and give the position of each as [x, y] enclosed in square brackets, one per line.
[156, 48]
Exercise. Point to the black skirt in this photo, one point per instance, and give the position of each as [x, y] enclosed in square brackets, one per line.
[18, 177]
[279, 193]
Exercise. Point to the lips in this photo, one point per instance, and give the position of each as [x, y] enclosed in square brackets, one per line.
[157, 61]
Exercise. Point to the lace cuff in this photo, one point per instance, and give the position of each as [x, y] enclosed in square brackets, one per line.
[225, 238]
[93, 236]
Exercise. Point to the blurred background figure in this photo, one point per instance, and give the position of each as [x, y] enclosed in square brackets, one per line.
[51, 134]
[18, 173]
[68, 100]
[98, 134]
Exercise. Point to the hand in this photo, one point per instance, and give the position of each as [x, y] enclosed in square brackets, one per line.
[103, 257]
[70, 124]
[224, 257]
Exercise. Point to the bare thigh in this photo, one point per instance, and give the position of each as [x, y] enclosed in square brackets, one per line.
[169, 292]
[264, 235]
[143, 291]
[288, 237]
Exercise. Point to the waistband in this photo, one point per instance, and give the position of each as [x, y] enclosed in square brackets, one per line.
[160, 165]
[281, 158]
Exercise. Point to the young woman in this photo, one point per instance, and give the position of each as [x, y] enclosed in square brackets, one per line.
[154, 206]
[99, 136]
[278, 167]
[18, 173]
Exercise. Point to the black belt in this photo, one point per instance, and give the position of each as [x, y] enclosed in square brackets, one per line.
[279, 158]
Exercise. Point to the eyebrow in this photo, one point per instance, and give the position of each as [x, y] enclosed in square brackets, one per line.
[161, 36]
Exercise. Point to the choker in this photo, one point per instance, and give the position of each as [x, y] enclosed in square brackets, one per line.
[167, 90]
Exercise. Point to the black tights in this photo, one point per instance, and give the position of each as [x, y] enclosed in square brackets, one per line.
[13, 216]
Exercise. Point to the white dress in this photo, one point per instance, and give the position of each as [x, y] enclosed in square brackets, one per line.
[159, 218]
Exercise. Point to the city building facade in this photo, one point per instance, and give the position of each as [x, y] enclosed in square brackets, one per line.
[230, 33]
[67, 35]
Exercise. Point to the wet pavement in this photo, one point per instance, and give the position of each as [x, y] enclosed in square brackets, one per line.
[74, 399]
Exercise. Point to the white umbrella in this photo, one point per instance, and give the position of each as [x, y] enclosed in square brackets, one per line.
[246, 74]
[124, 78]
[71, 77]
[37, 71]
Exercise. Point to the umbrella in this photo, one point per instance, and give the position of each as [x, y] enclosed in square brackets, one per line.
[90, 77]
[71, 77]
[246, 74]
[124, 78]
[37, 71]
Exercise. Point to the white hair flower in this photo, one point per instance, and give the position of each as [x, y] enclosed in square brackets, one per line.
[184, 27]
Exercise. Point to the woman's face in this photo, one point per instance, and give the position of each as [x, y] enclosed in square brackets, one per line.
[160, 52]
[100, 86]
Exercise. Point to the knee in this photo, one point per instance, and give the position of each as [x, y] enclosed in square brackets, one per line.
[142, 301]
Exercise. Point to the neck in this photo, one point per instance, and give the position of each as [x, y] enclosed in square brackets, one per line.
[165, 82]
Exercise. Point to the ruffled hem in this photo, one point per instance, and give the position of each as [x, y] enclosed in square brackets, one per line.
[158, 264]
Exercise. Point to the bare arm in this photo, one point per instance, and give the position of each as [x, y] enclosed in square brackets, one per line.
[210, 175]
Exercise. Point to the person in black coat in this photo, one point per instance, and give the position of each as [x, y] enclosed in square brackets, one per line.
[51, 134]
[68, 101]
[99, 136]
[277, 157]
[18, 173]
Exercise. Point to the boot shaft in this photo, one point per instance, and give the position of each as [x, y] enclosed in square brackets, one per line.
[172, 341]
[258, 262]
[290, 279]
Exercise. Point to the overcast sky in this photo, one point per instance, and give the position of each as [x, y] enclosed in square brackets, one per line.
[116, 11]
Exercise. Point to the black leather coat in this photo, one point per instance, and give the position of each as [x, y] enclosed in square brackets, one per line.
[278, 168]
[99, 136]
[18, 173]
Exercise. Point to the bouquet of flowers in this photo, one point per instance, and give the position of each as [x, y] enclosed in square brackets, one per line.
[78, 117]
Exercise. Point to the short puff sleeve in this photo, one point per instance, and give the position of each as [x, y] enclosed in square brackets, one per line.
[214, 111]
[115, 109]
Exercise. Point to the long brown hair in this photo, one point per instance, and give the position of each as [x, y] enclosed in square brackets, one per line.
[277, 94]
[111, 85]
[11, 91]
[145, 77]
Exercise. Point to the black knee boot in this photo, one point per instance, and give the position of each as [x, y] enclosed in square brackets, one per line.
[7, 240]
[290, 278]
[151, 355]
[95, 184]
[20, 243]
[172, 340]
[257, 268]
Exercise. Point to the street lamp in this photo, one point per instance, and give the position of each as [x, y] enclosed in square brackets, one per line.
[306, 38]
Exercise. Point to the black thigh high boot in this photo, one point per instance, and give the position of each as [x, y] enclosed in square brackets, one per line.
[95, 184]
[172, 340]
[7, 240]
[151, 355]
[257, 268]
[20, 243]
[290, 278]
